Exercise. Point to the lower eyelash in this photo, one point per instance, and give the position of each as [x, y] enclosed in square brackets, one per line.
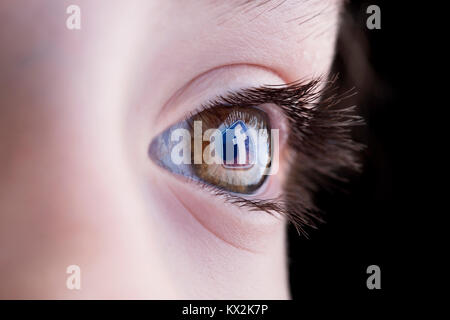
[300, 217]
[319, 137]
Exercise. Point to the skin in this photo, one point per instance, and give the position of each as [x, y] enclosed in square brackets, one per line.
[78, 110]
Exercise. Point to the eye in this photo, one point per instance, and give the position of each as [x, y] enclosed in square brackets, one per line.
[302, 141]
[227, 147]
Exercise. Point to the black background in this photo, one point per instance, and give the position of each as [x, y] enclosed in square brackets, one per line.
[363, 218]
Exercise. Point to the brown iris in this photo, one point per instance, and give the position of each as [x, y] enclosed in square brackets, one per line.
[233, 147]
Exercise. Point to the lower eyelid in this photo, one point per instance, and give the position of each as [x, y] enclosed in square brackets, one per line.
[239, 227]
[271, 190]
[207, 227]
[266, 192]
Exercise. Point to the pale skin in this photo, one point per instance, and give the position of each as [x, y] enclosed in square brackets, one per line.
[78, 111]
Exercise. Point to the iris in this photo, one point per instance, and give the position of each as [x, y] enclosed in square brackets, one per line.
[225, 147]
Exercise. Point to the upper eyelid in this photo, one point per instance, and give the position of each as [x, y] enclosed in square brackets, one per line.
[262, 94]
[303, 91]
[246, 73]
[287, 98]
[248, 97]
[238, 98]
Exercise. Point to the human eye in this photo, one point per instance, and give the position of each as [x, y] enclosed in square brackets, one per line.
[235, 143]
[225, 146]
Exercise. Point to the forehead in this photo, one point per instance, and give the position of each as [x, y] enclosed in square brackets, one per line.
[254, 24]
[127, 44]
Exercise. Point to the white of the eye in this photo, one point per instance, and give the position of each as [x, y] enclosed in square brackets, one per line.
[181, 152]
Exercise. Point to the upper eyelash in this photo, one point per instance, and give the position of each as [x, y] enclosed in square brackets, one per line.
[319, 136]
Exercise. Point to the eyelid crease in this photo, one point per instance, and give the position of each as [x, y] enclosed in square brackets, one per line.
[222, 68]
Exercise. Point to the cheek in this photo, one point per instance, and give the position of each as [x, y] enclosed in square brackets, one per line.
[64, 202]
[208, 251]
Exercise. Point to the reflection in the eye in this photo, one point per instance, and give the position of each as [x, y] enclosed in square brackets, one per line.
[226, 147]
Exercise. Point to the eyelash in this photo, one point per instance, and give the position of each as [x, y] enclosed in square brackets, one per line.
[319, 135]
